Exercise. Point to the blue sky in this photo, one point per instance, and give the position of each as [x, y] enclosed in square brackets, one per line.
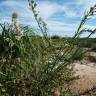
[62, 16]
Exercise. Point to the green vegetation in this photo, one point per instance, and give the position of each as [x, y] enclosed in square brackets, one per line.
[32, 65]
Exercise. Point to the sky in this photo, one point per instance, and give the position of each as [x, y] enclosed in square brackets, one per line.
[62, 16]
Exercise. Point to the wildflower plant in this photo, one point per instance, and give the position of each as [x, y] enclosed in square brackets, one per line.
[31, 65]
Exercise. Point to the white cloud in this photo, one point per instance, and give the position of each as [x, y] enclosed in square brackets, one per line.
[16, 6]
[68, 11]
[61, 26]
[5, 20]
[62, 29]
[86, 3]
[48, 9]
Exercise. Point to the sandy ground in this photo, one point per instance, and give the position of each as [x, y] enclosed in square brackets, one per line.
[87, 78]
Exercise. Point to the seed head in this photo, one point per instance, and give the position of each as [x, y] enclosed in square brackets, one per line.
[14, 15]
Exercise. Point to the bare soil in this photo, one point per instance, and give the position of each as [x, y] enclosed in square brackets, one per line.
[86, 81]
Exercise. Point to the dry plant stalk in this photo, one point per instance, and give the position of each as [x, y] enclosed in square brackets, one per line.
[15, 23]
